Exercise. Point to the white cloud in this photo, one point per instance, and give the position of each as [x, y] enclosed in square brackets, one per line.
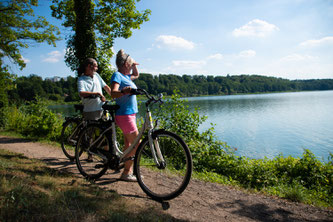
[174, 42]
[296, 58]
[216, 56]
[188, 64]
[256, 27]
[53, 57]
[318, 42]
[247, 53]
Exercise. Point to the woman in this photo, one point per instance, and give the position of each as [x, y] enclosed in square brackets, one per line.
[91, 84]
[126, 114]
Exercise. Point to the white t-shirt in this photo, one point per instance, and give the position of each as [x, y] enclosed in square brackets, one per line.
[95, 84]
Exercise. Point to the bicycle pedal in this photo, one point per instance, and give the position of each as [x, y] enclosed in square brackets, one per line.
[72, 142]
[129, 158]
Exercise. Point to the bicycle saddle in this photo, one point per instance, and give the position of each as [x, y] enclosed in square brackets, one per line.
[110, 107]
[78, 107]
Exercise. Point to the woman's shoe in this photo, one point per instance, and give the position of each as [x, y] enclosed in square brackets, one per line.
[128, 177]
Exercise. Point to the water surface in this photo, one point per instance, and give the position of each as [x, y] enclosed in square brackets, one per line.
[270, 124]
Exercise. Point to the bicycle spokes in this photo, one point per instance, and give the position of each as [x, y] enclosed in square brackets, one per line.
[170, 175]
[90, 161]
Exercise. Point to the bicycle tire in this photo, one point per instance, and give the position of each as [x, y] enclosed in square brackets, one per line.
[68, 145]
[98, 166]
[168, 182]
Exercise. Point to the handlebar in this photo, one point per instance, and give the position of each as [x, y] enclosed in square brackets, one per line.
[149, 96]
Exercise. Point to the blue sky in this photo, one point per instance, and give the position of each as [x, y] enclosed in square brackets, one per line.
[291, 39]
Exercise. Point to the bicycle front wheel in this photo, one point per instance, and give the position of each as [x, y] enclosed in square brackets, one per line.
[169, 177]
[69, 136]
[90, 147]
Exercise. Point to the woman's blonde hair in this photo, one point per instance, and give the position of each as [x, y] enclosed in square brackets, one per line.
[123, 58]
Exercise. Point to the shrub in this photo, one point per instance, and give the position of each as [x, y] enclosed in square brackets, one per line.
[206, 150]
[33, 120]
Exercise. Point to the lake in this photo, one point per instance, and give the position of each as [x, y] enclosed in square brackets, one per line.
[266, 125]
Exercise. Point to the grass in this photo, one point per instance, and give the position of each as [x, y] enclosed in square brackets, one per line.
[292, 192]
[30, 191]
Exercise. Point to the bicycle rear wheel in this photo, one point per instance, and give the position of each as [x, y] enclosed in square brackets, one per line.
[69, 137]
[170, 178]
[90, 160]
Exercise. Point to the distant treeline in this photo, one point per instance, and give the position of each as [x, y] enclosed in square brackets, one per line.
[227, 85]
[26, 88]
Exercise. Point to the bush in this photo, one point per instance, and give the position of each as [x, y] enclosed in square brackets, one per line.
[206, 150]
[33, 120]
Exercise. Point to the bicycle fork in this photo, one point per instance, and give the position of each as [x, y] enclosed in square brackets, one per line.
[154, 144]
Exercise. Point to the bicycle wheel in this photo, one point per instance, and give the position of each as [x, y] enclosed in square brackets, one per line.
[90, 152]
[69, 137]
[168, 179]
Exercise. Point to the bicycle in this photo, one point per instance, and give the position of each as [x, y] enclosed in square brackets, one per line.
[70, 132]
[162, 163]
[71, 129]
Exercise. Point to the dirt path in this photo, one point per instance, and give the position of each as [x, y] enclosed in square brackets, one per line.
[201, 201]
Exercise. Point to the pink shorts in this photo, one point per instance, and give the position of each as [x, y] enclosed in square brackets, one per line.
[127, 123]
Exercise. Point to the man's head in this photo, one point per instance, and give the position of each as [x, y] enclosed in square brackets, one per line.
[89, 67]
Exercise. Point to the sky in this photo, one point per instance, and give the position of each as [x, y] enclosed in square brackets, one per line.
[291, 39]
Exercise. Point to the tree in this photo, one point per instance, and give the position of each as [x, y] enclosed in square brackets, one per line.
[18, 29]
[95, 26]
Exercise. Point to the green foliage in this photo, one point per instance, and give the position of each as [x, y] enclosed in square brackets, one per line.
[34, 120]
[175, 116]
[96, 24]
[5, 84]
[20, 27]
[27, 88]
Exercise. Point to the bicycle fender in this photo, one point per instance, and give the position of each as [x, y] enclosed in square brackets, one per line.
[155, 132]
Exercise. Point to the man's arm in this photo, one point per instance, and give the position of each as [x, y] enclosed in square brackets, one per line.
[107, 89]
[85, 94]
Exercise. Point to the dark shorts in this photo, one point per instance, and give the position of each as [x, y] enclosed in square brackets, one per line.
[95, 115]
